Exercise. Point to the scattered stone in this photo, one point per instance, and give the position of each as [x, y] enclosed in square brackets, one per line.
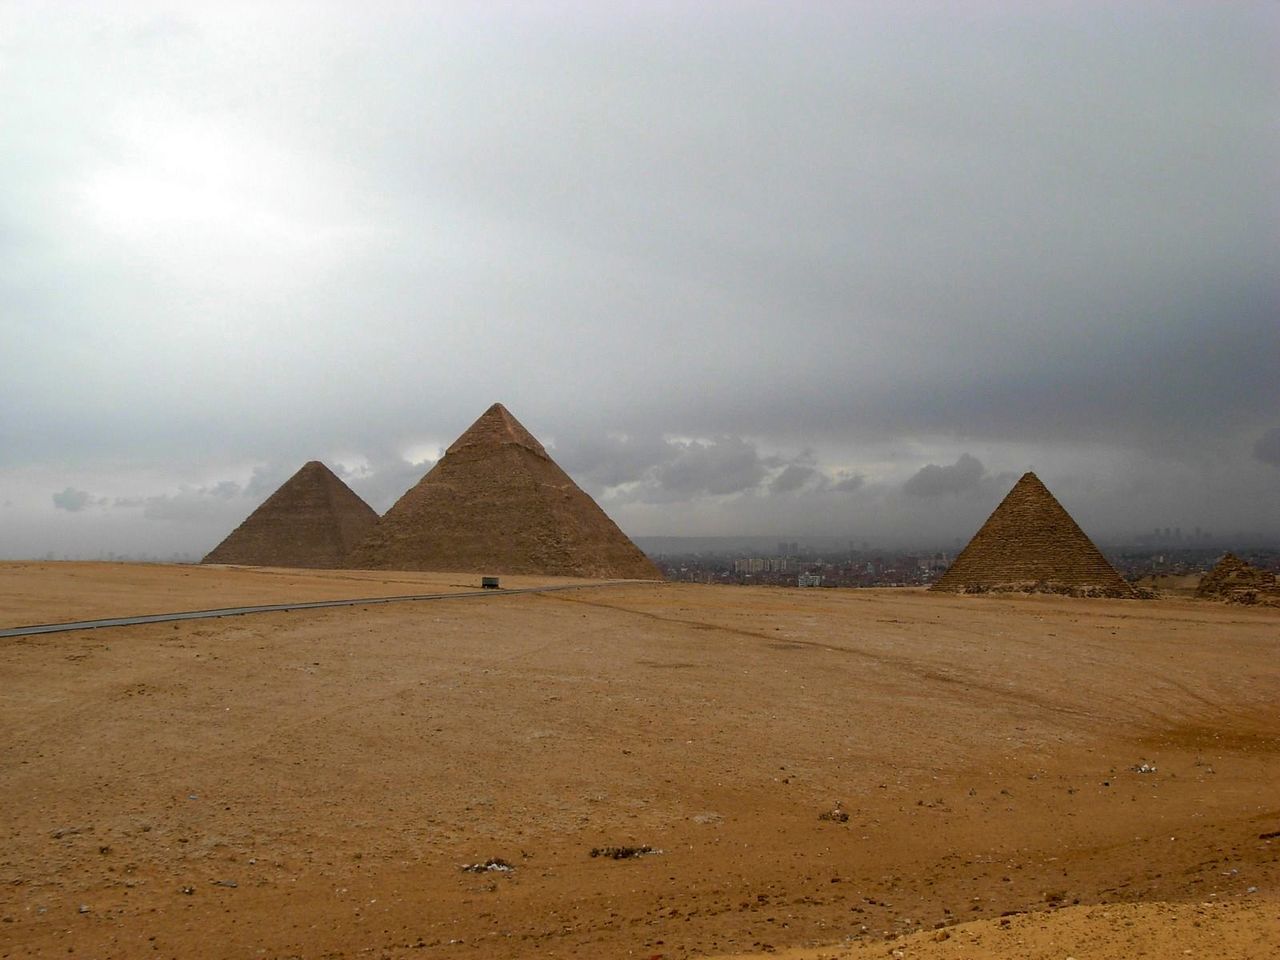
[84, 908]
[1269, 835]
[622, 853]
[225, 883]
[1143, 767]
[188, 890]
[836, 815]
[492, 865]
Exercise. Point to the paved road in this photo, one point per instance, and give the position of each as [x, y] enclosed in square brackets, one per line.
[282, 607]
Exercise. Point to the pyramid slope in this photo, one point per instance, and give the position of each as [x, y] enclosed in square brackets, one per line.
[497, 503]
[1030, 543]
[312, 520]
[1235, 581]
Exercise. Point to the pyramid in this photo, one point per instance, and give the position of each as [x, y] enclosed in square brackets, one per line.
[313, 520]
[1235, 581]
[497, 503]
[1030, 543]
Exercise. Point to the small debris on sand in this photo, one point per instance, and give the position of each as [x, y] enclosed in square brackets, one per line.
[622, 853]
[835, 815]
[492, 865]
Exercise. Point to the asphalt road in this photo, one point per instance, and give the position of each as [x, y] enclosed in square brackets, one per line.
[281, 608]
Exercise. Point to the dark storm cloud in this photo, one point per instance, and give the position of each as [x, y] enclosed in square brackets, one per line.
[267, 478]
[187, 503]
[598, 460]
[385, 479]
[682, 241]
[966, 474]
[717, 466]
[73, 501]
[792, 477]
[1267, 449]
[655, 470]
[846, 482]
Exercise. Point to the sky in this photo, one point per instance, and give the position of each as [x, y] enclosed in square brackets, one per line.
[745, 268]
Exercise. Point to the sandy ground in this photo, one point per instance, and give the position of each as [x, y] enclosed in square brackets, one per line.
[310, 784]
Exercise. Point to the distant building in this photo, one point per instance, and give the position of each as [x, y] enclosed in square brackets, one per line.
[809, 580]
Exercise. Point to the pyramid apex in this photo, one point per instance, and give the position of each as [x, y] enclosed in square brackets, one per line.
[496, 427]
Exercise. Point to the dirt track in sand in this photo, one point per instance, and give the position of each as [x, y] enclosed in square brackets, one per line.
[317, 779]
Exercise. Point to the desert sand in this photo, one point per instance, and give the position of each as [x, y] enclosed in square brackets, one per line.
[817, 773]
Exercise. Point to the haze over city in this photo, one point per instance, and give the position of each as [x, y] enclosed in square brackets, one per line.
[744, 269]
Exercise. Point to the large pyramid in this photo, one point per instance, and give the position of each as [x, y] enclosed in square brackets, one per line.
[497, 503]
[313, 520]
[1030, 543]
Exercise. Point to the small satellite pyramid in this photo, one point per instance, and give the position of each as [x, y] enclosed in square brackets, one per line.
[497, 503]
[313, 520]
[1030, 543]
[1235, 581]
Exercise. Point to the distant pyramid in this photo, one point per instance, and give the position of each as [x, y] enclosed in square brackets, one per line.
[313, 520]
[1030, 543]
[497, 503]
[1235, 581]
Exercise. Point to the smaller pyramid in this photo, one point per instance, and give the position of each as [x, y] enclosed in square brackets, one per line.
[1031, 544]
[312, 520]
[1235, 581]
[497, 503]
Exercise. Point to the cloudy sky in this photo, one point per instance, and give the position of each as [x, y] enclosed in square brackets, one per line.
[745, 268]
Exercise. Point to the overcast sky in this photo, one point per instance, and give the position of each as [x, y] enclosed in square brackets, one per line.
[744, 268]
